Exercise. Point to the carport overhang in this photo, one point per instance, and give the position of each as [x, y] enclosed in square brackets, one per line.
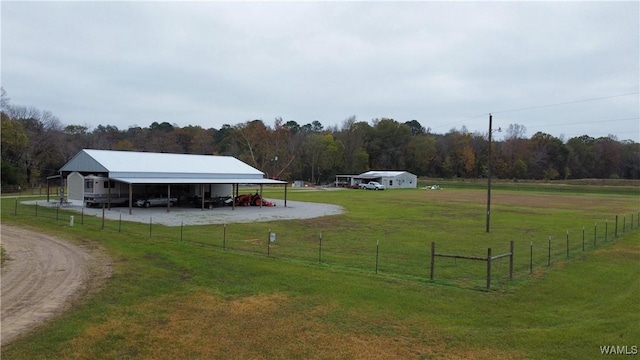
[234, 182]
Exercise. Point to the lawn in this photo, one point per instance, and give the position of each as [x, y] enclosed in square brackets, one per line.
[178, 294]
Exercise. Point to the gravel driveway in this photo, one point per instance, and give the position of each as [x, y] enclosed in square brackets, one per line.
[219, 215]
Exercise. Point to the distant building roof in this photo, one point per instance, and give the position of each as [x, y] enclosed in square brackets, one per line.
[377, 174]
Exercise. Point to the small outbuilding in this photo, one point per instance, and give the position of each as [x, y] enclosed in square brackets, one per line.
[390, 179]
[106, 177]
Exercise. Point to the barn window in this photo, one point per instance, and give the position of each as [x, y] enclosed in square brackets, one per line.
[107, 183]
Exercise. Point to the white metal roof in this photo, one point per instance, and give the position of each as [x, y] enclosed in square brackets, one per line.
[179, 180]
[132, 164]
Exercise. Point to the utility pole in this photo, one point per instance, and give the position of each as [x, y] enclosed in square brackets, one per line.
[489, 177]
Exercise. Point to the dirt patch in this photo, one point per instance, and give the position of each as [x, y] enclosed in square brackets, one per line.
[42, 277]
[262, 326]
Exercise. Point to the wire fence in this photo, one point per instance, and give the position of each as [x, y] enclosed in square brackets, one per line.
[331, 248]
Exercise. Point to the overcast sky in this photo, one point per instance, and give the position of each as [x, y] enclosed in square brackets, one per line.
[444, 64]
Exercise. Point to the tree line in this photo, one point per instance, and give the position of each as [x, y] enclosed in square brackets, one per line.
[36, 144]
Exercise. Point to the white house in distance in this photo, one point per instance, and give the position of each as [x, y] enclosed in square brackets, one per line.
[390, 179]
[105, 177]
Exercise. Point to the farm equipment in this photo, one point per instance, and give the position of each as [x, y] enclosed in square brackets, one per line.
[252, 200]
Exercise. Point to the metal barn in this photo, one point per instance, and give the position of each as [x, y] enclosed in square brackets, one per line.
[119, 177]
[390, 179]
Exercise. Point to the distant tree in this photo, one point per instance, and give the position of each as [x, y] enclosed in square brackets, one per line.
[630, 160]
[415, 128]
[164, 126]
[351, 138]
[13, 147]
[581, 156]
[547, 152]
[420, 153]
[124, 145]
[607, 158]
[515, 131]
[387, 143]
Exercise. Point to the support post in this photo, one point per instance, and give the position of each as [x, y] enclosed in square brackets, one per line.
[531, 257]
[130, 199]
[261, 197]
[488, 268]
[168, 197]
[433, 257]
[108, 192]
[202, 196]
[511, 248]
[489, 176]
[320, 250]
[377, 253]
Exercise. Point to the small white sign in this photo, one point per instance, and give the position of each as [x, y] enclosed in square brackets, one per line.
[272, 237]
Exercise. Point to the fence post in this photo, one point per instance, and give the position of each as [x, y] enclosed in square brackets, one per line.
[377, 252]
[150, 221]
[433, 256]
[58, 212]
[567, 244]
[181, 226]
[531, 257]
[320, 249]
[488, 268]
[120, 223]
[511, 260]
[36, 209]
[82, 216]
[102, 217]
[15, 210]
[549, 257]
[269, 243]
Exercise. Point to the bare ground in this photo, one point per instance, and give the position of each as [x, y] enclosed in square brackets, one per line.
[42, 277]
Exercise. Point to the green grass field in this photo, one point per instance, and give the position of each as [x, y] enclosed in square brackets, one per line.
[178, 294]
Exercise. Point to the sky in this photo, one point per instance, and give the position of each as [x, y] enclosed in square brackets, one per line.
[564, 68]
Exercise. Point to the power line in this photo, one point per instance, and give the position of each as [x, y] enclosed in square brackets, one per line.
[564, 103]
[537, 107]
[585, 122]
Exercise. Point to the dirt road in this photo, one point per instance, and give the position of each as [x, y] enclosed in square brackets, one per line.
[42, 277]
